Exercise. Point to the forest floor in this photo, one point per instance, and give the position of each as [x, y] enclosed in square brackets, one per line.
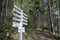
[41, 35]
[44, 35]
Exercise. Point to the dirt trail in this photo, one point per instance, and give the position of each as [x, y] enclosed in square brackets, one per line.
[44, 35]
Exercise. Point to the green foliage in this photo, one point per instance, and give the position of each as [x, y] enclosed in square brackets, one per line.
[6, 19]
[36, 11]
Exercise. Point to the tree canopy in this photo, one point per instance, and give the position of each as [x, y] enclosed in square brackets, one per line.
[42, 15]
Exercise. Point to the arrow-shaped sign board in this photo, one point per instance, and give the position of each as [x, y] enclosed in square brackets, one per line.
[15, 24]
[16, 7]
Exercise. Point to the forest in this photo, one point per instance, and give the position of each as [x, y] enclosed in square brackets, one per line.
[43, 19]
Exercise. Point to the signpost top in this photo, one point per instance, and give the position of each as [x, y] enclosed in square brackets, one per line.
[20, 18]
[18, 8]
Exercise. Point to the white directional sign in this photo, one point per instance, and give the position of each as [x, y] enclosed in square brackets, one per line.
[25, 15]
[16, 19]
[21, 29]
[16, 7]
[19, 19]
[16, 15]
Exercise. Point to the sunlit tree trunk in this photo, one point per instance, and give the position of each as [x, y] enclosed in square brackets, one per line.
[50, 16]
